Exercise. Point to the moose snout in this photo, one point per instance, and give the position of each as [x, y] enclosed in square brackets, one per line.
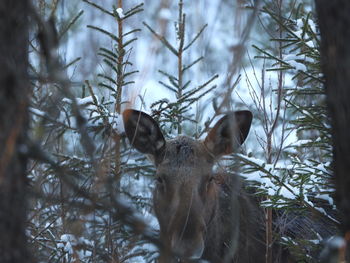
[189, 243]
[188, 248]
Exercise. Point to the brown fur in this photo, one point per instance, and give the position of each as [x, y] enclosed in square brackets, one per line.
[221, 204]
[201, 214]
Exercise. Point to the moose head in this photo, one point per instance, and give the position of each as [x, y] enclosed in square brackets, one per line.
[186, 196]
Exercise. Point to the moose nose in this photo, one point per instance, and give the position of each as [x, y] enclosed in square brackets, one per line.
[188, 248]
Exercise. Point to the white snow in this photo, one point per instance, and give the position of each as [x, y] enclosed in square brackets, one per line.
[286, 193]
[81, 101]
[37, 112]
[298, 33]
[299, 143]
[116, 120]
[297, 65]
[120, 13]
[66, 100]
[86, 100]
[312, 25]
[69, 241]
[325, 197]
[68, 238]
[291, 57]
[310, 43]
[300, 23]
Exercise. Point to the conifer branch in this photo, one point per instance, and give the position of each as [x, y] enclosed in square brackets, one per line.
[162, 39]
[70, 24]
[196, 37]
[99, 7]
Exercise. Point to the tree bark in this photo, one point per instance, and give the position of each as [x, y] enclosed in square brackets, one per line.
[334, 23]
[14, 87]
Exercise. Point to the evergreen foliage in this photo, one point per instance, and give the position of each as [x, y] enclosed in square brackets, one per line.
[77, 213]
[172, 114]
[83, 167]
[295, 178]
[87, 168]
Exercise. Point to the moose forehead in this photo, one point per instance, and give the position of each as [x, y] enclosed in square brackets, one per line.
[184, 156]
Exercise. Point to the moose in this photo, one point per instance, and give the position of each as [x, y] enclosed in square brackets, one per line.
[202, 215]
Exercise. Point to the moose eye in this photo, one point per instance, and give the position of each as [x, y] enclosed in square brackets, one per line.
[210, 180]
[160, 180]
[160, 185]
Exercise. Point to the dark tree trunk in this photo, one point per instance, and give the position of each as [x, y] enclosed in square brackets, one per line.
[14, 87]
[334, 22]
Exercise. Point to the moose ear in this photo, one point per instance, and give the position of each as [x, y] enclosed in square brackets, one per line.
[229, 133]
[143, 132]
